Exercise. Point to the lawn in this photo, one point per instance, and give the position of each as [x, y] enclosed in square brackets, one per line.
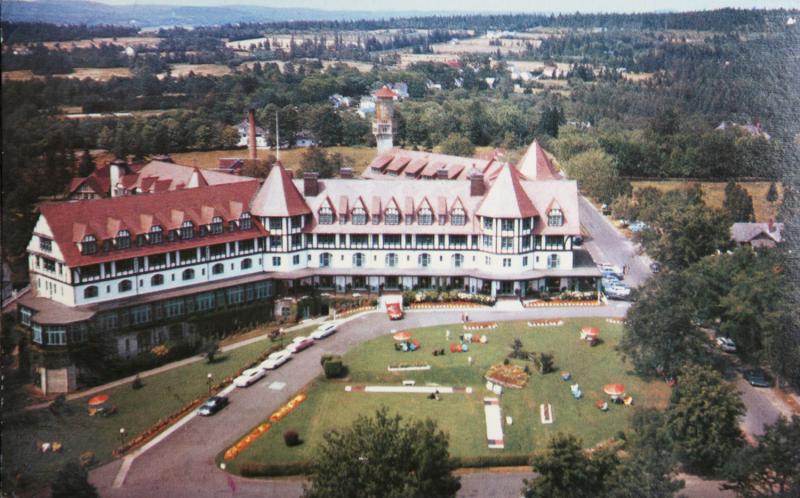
[360, 156]
[162, 394]
[461, 415]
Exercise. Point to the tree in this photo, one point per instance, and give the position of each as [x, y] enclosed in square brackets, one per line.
[772, 193]
[565, 470]
[86, 166]
[230, 137]
[383, 456]
[737, 204]
[211, 349]
[703, 419]
[315, 159]
[457, 145]
[596, 173]
[72, 482]
[549, 121]
[772, 467]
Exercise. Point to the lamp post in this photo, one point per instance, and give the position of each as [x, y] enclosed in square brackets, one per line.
[122, 436]
[208, 381]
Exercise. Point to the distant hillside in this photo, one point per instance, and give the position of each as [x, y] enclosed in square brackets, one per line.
[145, 15]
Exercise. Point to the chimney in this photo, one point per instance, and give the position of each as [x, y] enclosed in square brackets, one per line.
[251, 134]
[310, 184]
[346, 173]
[441, 174]
[164, 158]
[115, 171]
[476, 186]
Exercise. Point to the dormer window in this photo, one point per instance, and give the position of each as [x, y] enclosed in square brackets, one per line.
[246, 221]
[555, 218]
[325, 215]
[123, 239]
[156, 234]
[187, 230]
[89, 245]
[425, 216]
[45, 244]
[392, 216]
[359, 216]
[216, 225]
[458, 217]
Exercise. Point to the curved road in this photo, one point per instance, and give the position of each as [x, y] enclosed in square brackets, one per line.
[183, 463]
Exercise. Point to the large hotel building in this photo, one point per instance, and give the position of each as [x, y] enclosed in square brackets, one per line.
[135, 263]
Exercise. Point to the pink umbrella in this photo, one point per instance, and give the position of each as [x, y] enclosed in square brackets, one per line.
[402, 336]
[614, 390]
[98, 400]
[590, 331]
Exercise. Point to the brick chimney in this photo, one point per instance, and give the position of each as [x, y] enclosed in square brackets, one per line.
[311, 184]
[346, 172]
[251, 134]
[477, 187]
[441, 174]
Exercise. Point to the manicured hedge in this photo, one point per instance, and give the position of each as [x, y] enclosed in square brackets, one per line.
[255, 469]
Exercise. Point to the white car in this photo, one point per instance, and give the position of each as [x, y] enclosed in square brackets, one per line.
[249, 377]
[300, 343]
[618, 291]
[726, 344]
[324, 331]
[608, 268]
[276, 359]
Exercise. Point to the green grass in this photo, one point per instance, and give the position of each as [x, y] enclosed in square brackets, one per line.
[329, 406]
[162, 395]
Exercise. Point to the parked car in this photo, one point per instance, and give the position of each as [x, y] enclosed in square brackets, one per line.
[726, 344]
[276, 359]
[577, 241]
[395, 311]
[611, 269]
[618, 291]
[638, 226]
[324, 331]
[757, 377]
[249, 377]
[300, 343]
[213, 405]
[604, 209]
[655, 267]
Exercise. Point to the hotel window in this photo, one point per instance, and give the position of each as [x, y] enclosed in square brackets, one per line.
[506, 243]
[217, 251]
[296, 221]
[49, 264]
[325, 260]
[297, 240]
[555, 218]
[296, 259]
[325, 216]
[526, 242]
[37, 333]
[173, 308]
[458, 217]
[205, 301]
[487, 241]
[392, 216]
[425, 216]
[275, 224]
[524, 261]
[124, 286]
[359, 240]
[506, 262]
[25, 316]
[554, 242]
[157, 280]
[187, 274]
[409, 219]
[458, 260]
[358, 259]
[424, 240]
[140, 314]
[526, 224]
[391, 260]
[458, 241]
[216, 225]
[326, 240]
[552, 261]
[508, 225]
[90, 292]
[246, 264]
[56, 336]
[157, 261]
[488, 223]
[156, 234]
[248, 245]
[276, 261]
[424, 260]
[45, 244]
[392, 240]
[246, 221]
[218, 269]
[89, 245]
[187, 230]
[274, 242]
[359, 216]
[123, 239]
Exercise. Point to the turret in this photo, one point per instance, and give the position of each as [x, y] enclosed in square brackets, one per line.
[383, 127]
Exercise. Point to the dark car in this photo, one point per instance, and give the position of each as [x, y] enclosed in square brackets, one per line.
[213, 405]
[655, 267]
[757, 378]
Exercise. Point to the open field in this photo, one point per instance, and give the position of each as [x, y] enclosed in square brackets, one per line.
[364, 67]
[162, 394]
[95, 73]
[123, 41]
[199, 69]
[461, 415]
[290, 158]
[714, 194]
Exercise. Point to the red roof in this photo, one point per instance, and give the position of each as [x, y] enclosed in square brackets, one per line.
[278, 197]
[506, 197]
[535, 165]
[385, 93]
[103, 218]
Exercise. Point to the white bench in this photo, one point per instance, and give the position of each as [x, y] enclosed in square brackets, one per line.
[409, 382]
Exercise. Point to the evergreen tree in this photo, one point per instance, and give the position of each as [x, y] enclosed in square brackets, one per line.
[737, 204]
[772, 193]
[72, 482]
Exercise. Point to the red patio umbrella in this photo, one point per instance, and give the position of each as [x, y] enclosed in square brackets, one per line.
[590, 331]
[98, 400]
[402, 336]
[614, 390]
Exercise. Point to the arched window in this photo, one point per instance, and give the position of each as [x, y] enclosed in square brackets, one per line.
[156, 234]
[555, 218]
[392, 216]
[156, 280]
[325, 259]
[359, 216]
[188, 274]
[247, 263]
[187, 230]
[458, 217]
[358, 259]
[90, 292]
[216, 225]
[391, 260]
[325, 215]
[424, 260]
[425, 216]
[458, 260]
[246, 221]
[217, 269]
[89, 245]
[123, 239]
[124, 286]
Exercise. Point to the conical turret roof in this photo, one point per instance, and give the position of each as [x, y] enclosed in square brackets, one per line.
[278, 197]
[506, 197]
[535, 165]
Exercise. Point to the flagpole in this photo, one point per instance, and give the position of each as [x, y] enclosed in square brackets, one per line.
[277, 140]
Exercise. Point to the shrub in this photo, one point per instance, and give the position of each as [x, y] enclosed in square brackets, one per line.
[255, 469]
[291, 438]
[327, 357]
[333, 368]
[137, 383]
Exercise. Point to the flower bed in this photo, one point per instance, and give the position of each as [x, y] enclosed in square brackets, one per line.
[545, 323]
[404, 367]
[618, 321]
[512, 376]
[541, 303]
[353, 311]
[480, 325]
[445, 305]
[264, 427]
[413, 297]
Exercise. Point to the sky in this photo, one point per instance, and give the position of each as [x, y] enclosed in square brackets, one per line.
[494, 6]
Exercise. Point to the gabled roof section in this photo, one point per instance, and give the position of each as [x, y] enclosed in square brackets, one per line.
[535, 165]
[278, 197]
[328, 203]
[385, 93]
[392, 204]
[506, 197]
